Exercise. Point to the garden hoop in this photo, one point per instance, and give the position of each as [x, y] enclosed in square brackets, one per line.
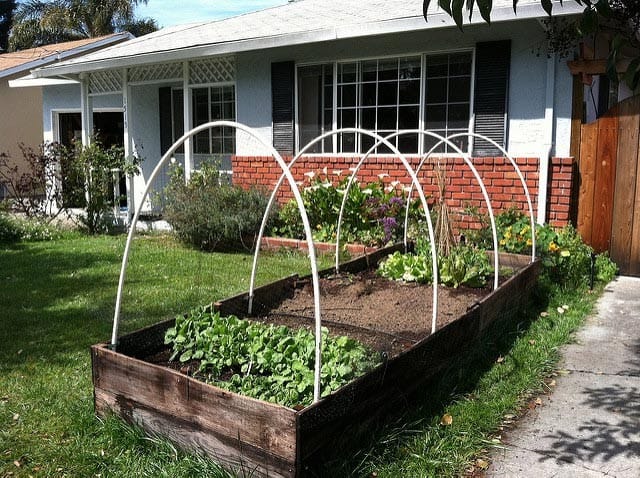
[305, 220]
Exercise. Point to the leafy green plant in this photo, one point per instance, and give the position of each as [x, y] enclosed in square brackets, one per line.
[97, 164]
[14, 229]
[210, 214]
[464, 265]
[268, 362]
[566, 259]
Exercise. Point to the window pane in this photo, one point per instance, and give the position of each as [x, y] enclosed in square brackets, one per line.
[437, 65]
[436, 117]
[200, 106]
[201, 143]
[348, 142]
[216, 94]
[459, 89]
[229, 111]
[408, 143]
[387, 118]
[409, 92]
[461, 142]
[369, 70]
[347, 73]
[388, 93]
[460, 64]
[313, 81]
[347, 95]
[347, 118]
[228, 145]
[410, 68]
[216, 145]
[430, 142]
[368, 118]
[228, 93]
[437, 90]
[216, 111]
[366, 142]
[458, 116]
[368, 94]
[408, 117]
[388, 69]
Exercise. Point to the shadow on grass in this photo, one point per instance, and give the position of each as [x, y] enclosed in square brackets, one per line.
[383, 442]
[53, 301]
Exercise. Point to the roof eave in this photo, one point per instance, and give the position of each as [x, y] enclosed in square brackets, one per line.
[60, 56]
[436, 20]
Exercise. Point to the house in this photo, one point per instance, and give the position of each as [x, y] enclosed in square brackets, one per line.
[22, 108]
[295, 71]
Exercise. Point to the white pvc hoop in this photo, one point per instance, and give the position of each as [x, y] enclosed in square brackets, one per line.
[473, 169]
[414, 180]
[286, 173]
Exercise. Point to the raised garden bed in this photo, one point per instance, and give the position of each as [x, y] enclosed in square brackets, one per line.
[272, 440]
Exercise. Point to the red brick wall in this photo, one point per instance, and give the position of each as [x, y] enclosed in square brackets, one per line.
[462, 190]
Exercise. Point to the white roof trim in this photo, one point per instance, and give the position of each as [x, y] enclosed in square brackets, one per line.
[438, 19]
[30, 81]
[60, 56]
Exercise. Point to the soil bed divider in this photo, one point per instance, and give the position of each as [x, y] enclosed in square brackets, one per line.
[265, 439]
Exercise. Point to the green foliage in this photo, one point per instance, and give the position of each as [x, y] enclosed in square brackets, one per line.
[210, 215]
[97, 164]
[464, 265]
[373, 215]
[268, 362]
[9, 229]
[566, 259]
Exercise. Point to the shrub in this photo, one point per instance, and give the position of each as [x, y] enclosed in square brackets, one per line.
[209, 215]
[9, 229]
[566, 259]
[34, 183]
[97, 164]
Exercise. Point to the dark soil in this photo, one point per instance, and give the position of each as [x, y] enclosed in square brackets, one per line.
[388, 316]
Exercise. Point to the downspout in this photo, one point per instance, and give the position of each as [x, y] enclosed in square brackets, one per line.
[547, 144]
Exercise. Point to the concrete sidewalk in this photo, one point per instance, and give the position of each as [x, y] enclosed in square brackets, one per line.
[590, 425]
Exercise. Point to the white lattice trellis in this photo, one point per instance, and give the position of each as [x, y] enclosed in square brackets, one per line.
[105, 82]
[157, 72]
[212, 70]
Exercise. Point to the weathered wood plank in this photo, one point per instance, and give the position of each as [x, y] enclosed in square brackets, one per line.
[243, 459]
[625, 185]
[588, 151]
[256, 423]
[634, 261]
[605, 181]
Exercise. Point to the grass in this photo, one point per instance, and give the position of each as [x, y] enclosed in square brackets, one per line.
[58, 297]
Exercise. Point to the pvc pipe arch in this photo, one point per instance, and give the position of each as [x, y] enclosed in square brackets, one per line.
[305, 220]
[414, 180]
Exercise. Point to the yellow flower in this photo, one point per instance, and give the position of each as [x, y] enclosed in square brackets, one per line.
[553, 247]
[529, 242]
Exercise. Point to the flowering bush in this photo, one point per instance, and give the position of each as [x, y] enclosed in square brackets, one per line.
[373, 215]
[566, 259]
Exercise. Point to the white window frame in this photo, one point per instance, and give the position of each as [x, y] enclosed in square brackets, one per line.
[422, 98]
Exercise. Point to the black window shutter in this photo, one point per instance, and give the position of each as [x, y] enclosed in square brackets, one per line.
[491, 91]
[282, 104]
[166, 136]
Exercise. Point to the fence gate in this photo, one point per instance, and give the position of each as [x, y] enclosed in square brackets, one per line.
[609, 196]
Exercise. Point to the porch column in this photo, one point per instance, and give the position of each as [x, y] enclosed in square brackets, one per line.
[86, 107]
[186, 98]
[128, 143]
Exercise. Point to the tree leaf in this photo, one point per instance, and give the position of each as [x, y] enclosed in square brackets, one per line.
[547, 6]
[446, 6]
[485, 7]
[632, 75]
[425, 8]
[456, 12]
[589, 22]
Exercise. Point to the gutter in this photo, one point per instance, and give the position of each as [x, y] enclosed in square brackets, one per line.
[547, 147]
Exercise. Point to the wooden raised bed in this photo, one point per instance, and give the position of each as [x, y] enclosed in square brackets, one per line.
[264, 439]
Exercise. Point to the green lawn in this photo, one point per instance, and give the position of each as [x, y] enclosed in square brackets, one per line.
[57, 298]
